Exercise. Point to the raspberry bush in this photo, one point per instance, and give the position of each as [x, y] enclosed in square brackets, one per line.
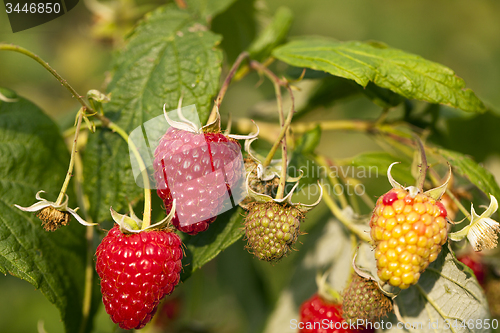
[266, 210]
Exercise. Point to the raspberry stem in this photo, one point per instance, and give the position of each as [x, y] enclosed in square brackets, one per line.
[322, 161]
[278, 83]
[282, 137]
[69, 174]
[225, 85]
[146, 222]
[16, 48]
[423, 164]
[284, 155]
[337, 212]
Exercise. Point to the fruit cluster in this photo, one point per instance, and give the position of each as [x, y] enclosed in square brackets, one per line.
[408, 233]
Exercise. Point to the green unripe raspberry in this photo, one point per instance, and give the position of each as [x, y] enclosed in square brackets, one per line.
[363, 300]
[271, 229]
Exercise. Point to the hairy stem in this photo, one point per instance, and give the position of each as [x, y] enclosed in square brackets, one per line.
[337, 212]
[147, 187]
[225, 85]
[15, 48]
[323, 162]
[423, 164]
[284, 126]
[281, 186]
[69, 174]
[282, 137]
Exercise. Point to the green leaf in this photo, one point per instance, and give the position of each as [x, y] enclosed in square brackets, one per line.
[169, 55]
[406, 74]
[205, 246]
[378, 163]
[446, 290]
[273, 35]
[33, 157]
[237, 26]
[477, 175]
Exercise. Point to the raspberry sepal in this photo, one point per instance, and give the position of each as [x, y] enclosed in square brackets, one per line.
[482, 230]
[287, 200]
[132, 224]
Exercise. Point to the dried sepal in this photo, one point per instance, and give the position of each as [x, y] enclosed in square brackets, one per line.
[270, 172]
[258, 159]
[215, 127]
[53, 215]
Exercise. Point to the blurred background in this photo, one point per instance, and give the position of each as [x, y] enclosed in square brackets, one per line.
[463, 35]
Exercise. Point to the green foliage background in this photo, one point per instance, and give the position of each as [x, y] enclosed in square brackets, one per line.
[461, 35]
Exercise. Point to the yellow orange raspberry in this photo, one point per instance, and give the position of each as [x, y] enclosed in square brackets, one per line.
[408, 233]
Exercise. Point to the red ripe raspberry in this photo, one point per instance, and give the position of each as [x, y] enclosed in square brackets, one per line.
[408, 232]
[474, 263]
[189, 158]
[315, 312]
[137, 271]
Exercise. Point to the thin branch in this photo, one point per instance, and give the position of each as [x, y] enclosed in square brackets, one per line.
[337, 212]
[16, 48]
[325, 163]
[225, 85]
[69, 173]
[423, 164]
[147, 187]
